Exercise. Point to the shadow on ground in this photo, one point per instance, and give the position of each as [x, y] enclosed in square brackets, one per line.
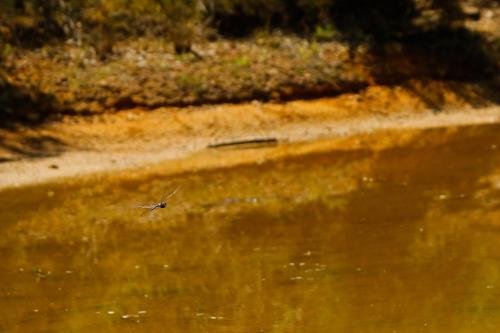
[33, 146]
[436, 95]
[22, 108]
[23, 105]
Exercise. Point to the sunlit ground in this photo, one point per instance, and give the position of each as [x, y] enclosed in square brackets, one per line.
[403, 239]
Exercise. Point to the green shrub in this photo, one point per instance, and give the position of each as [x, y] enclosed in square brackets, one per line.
[324, 33]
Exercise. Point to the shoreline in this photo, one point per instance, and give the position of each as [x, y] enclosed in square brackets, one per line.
[140, 144]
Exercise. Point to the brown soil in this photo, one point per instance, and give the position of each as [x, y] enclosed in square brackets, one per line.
[138, 138]
[147, 73]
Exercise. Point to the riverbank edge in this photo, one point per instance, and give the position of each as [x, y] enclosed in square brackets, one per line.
[294, 139]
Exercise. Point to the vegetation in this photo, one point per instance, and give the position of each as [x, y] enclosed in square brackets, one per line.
[87, 44]
[101, 23]
[32, 22]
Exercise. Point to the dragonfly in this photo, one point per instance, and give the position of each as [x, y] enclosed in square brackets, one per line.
[161, 204]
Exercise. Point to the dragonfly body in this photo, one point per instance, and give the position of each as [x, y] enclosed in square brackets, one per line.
[161, 204]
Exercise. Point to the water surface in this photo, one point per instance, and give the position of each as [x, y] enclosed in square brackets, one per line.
[403, 239]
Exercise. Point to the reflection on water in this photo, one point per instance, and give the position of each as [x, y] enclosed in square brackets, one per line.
[399, 240]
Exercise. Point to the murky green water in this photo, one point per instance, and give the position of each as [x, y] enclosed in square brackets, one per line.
[400, 240]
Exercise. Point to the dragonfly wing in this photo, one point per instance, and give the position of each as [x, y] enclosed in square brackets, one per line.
[149, 208]
[171, 194]
[146, 206]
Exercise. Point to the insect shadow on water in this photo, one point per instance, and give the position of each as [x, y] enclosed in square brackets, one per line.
[161, 204]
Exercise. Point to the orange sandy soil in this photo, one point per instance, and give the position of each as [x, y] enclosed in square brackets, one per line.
[76, 146]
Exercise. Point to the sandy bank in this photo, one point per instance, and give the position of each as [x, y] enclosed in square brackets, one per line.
[137, 139]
